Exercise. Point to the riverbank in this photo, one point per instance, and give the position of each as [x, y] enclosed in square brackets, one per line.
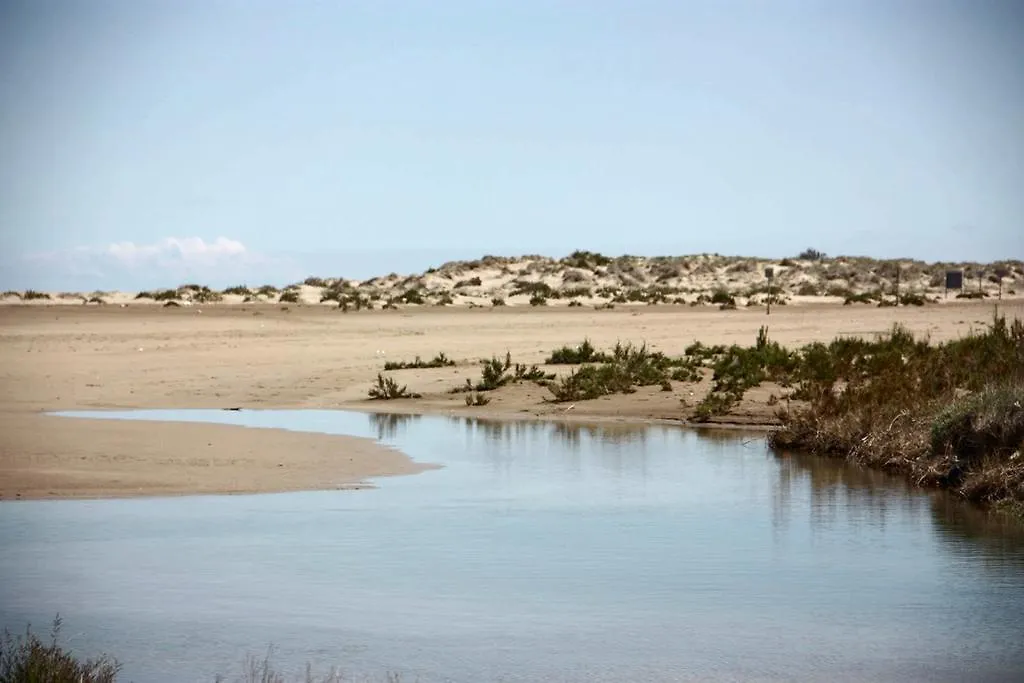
[82, 358]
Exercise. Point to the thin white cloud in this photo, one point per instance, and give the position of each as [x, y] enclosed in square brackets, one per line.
[166, 261]
[187, 250]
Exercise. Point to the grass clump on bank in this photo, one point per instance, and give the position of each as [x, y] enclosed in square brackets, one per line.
[949, 415]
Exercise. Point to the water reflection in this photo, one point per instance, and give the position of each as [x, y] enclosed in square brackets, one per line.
[390, 426]
[836, 488]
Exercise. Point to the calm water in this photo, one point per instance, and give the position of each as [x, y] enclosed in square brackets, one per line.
[540, 552]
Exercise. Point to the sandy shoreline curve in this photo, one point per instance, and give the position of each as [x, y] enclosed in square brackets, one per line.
[46, 456]
[72, 358]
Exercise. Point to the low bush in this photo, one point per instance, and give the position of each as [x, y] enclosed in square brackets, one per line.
[722, 296]
[289, 297]
[862, 298]
[538, 300]
[412, 296]
[586, 260]
[33, 295]
[584, 352]
[913, 299]
[497, 301]
[738, 369]
[627, 367]
[534, 289]
[438, 361]
[238, 290]
[807, 289]
[471, 282]
[498, 372]
[387, 389]
[812, 255]
[475, 398]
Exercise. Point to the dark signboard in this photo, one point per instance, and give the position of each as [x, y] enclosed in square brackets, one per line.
[954, 279]
[769, 272]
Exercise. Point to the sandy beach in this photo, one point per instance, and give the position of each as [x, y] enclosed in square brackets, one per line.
[269, 356]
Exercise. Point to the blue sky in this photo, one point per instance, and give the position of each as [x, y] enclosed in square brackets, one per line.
[146, 143]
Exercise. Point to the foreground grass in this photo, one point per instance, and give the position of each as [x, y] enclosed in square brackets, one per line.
[30, 659]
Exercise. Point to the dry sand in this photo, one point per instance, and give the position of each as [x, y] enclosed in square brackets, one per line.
[260, 356]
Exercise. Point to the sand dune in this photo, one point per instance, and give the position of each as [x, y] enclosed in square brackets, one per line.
[590, 279]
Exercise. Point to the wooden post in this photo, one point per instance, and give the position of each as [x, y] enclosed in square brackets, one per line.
[897, 284]
[1001, 273]
[769, 273]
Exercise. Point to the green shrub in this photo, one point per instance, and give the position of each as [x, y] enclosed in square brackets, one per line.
[628, 366]
[586, 260]
[913, 299]
[722, 296]
[493, 373]
[471, 282]
[972, 295]
[387, 389]
[534, 289]
[33, 295]
[862, 298]
[583, 352]
[498, 372]
[412, 296]
[538, 300]
[497, 301]
[205, 295]
[477, 399]
[438, 361]
[807, 289]
[315, 282]
[289, 297]
[238, 290]
[267, 290]
[812, 255]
